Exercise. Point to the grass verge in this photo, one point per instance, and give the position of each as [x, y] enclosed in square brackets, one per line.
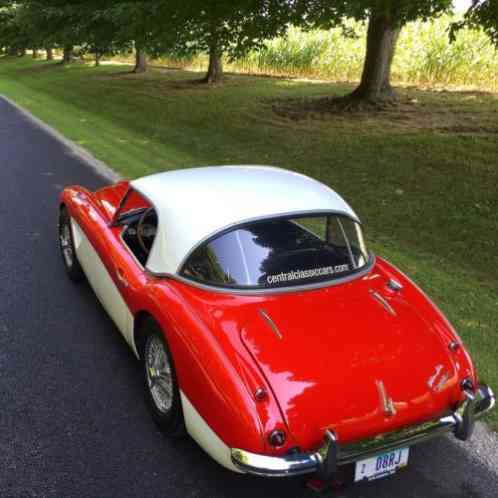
[422, 176]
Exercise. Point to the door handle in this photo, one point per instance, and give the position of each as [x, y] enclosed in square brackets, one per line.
[122, 278]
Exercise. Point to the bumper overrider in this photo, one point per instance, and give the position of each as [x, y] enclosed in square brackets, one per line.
[331, 454]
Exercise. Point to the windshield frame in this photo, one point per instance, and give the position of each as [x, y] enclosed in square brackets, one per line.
[246, 289]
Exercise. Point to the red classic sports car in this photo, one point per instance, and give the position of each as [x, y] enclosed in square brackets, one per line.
[267, 330]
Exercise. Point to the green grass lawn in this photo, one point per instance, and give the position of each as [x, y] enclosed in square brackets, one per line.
[423, 176]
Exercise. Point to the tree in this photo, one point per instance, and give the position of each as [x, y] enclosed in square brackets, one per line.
[13, 33]
[140, 60]
[482, 14]
[34, 24]
[385, 20]
[218, 27]
[134, 20]
[64, 24]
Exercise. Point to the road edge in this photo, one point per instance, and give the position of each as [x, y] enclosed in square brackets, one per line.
[97, 165]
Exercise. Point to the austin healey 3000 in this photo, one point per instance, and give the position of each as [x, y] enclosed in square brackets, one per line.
[267, 330]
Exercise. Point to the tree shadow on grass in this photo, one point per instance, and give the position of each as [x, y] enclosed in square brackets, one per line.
[413, 110]
[313, 107]
[48, 66]
[152, 82]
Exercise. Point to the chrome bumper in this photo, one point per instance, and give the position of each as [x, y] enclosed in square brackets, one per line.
[331, 455]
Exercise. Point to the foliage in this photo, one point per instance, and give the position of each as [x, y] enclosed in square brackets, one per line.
[483, 13]
[165, 26]
[424, 56]
[232, 27]
[13, 33]
[329, 13]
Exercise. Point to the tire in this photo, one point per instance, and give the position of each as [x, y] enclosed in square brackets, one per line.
[66, 245]
[162, 393]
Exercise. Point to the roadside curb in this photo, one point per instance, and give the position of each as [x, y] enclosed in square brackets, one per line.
[97, 165]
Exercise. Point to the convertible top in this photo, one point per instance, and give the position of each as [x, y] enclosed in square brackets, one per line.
[194, 204]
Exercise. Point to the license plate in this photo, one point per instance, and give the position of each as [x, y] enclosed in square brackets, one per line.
[382, 465]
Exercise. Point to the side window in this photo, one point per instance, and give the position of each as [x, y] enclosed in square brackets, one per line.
[131, 203]
[317, 226]
[139, 221]
[348, 237]
[335, 233]
[217, 262]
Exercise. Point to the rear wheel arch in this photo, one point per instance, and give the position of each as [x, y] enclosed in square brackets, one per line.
[238, 389]
[67, 245]
[148, 333]
[141, 320]
[139, 332]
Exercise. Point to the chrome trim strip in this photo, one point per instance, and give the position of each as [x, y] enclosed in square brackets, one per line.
[348, 243]
[270, 322]
[383, 301]
[269, 291]
[122, 202]
[331, 455]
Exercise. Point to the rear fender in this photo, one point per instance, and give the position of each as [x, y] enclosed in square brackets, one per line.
[433, 315]
[215, 372]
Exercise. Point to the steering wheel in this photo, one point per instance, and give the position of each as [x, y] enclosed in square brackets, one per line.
[142, 230]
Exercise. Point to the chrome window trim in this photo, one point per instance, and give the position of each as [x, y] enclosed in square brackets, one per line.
[270, 291]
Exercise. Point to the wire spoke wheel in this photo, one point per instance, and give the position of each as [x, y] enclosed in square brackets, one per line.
[159, 374]
[67, 247]
[66, 244]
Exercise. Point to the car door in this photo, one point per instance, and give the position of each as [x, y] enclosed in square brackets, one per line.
[111, 270]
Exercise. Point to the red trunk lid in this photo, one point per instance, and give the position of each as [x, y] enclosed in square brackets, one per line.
[343, 357]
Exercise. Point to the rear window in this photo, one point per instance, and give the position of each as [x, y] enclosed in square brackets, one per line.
[281, 253]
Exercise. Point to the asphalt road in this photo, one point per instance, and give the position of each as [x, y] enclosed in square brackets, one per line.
[72, 418]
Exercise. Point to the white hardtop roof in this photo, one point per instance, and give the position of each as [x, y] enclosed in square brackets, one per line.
[194, 204]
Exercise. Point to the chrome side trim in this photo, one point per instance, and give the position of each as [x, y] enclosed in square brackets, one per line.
[270, 322]
[386, 401]
[383, 301]
[331, 454]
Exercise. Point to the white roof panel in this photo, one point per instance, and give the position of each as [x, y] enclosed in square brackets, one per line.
[194, 204]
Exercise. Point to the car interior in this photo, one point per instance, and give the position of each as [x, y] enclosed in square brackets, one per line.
[139, 232]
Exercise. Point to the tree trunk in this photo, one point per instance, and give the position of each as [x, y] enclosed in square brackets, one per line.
[67, 55]
[97, 59]
[140, 61]
[35, 53]
[381, 45]
[21, 52]
[215, 69]
[50, 54]
[387, 90]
